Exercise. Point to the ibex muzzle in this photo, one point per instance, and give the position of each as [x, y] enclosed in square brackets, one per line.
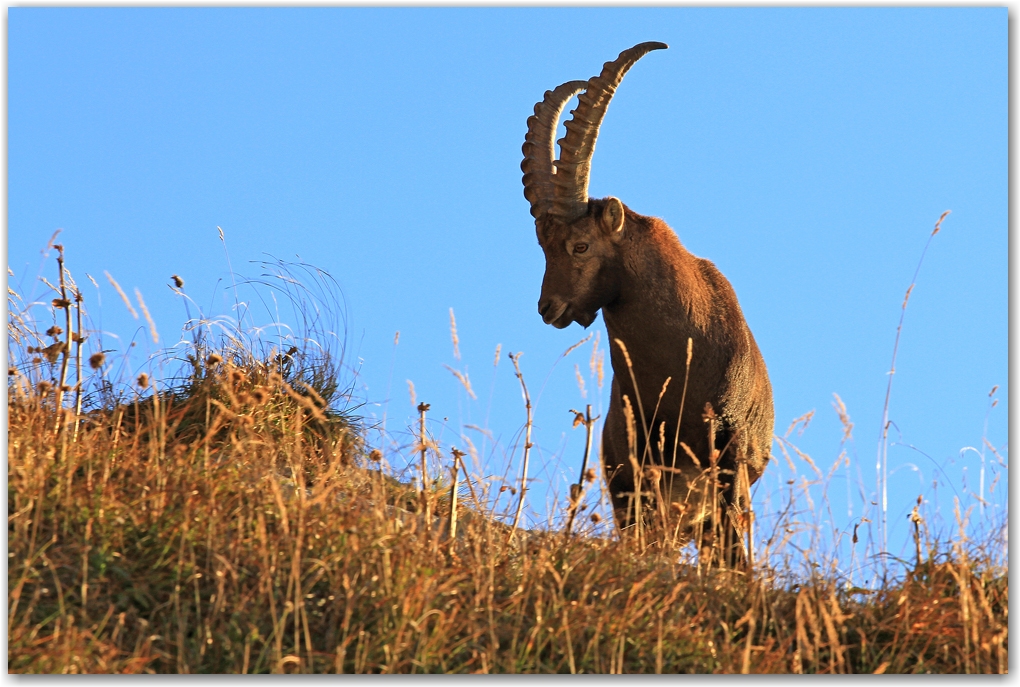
[686, 369]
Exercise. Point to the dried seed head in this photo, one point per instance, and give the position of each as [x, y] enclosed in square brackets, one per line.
[44, 387]
[375, 456]
[60, 303]
[143, 381]
[11, 372]
[680, 508]
[96, 360]
[589, 475]
[54, 331]
[260, 395]
[596, 518]
[53, 351]
[178, 282]
[213, 360]
[236, 376]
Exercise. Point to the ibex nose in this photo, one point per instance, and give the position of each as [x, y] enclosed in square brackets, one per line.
[550, 309]
[543, 307]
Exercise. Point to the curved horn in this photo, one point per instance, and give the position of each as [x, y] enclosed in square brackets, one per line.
[576, 148]
[539, 143]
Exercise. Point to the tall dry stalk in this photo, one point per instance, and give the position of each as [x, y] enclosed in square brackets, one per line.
[577, 490]
[455, 470]
[527, 445]
[62, 303]
[680, 413]
[426, 500]
[882, 464]
[79, 339]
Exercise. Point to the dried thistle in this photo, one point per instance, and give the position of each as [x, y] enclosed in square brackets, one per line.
[143, 381]
[178, 282]
[575, 493]
[375, 455]
[54, 331]
[590, 475]
[213, 360]
[596, 518]
[96, 360]
[53, 351]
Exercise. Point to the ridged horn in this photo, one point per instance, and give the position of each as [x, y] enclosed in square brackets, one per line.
[570, 181]
[539, 150]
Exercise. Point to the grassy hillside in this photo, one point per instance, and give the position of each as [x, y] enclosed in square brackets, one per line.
[234, 520]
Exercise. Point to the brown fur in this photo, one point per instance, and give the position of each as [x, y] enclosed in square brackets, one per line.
[654, 295]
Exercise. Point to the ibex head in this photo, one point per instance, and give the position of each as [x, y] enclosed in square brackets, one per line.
[581, 237]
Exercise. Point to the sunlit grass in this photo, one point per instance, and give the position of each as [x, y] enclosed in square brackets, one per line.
[226, 513]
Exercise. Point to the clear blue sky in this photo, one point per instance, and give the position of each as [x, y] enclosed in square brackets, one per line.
[807, 152]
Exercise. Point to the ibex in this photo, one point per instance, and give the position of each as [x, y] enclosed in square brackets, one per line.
[680, 326]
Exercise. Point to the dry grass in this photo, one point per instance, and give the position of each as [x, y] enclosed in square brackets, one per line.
[233, 520]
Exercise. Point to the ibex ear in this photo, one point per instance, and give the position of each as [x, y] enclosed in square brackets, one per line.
[613, 218]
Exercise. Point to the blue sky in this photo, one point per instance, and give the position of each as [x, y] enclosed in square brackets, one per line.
[807, 152]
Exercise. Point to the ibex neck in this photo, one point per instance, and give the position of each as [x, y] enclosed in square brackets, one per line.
[662, 299]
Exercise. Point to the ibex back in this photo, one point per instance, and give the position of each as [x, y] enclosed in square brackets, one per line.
[690, 419]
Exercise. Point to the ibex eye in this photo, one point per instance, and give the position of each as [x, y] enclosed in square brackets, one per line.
[580, 248]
